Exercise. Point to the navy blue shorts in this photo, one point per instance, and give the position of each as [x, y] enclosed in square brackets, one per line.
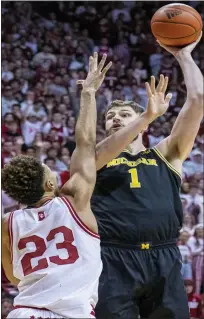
[145, 282]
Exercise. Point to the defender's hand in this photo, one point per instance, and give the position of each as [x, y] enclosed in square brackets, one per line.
[96, 73]
[157, 102]
[181, 51]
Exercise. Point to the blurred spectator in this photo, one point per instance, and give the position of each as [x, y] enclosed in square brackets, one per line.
[196, 244]
[194, 300]
[7, 100]
[139, 73]
[195, 164]
[44, 56]
[186, 255]
[55, 130]
[6, 307]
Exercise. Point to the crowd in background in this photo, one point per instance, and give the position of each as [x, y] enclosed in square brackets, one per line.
[45, 48]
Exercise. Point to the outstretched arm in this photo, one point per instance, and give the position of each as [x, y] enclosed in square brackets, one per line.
[6, 253]
[83, 163]
[113, 145]
[180, 142]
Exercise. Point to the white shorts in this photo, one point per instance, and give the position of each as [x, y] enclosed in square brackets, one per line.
[32, 313]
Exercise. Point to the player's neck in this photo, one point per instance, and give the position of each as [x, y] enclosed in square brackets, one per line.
[46, 197]
[135, 147]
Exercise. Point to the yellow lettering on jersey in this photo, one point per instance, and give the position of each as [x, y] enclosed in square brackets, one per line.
[112, 163]
[144, 246]
[152, 162]
[146, 152]
[144, 161]
[124, 161]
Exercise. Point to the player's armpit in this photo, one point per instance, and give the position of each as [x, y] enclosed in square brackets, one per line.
[170, 151]
[6, 253]
[80, 186]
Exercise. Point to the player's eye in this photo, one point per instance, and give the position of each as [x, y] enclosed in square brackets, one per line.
[109, 117]
[125, 115]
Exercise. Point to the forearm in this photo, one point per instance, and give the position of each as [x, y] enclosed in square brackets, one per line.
[113, 145]
[192, 76]
[187, 124]
[85, 131]
[8, 267]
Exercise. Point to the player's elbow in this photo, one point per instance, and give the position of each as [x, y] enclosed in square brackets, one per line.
[86, 140]
[196, 98]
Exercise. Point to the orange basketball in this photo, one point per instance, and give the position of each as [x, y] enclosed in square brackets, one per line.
[176, 24]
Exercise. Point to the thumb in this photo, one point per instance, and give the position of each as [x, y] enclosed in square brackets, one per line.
[80, 81]
[168, 98]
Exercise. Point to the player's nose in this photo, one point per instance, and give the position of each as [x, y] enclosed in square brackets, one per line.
[116, 119]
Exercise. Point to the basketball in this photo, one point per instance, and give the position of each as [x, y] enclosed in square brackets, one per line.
[176, 25]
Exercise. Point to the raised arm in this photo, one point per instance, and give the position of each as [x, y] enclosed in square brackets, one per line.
[113, 145]
[6, 253]
[83, 163]
[177, 147]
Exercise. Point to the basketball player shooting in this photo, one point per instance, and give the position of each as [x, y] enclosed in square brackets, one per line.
[137, 204]
[51, 249]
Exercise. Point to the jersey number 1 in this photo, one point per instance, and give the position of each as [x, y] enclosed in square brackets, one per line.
[41, 248]
[134, 178]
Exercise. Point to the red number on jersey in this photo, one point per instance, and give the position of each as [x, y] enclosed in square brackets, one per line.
[41, 248]
[67, 244]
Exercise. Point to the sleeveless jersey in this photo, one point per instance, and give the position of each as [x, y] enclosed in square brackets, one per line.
[136, 199]
[56, 258]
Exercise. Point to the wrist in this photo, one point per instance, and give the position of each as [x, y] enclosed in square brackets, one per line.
[148, 117]
[183, 55]
[88, 91]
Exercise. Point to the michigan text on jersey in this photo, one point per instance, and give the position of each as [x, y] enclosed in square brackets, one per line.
[123, 160]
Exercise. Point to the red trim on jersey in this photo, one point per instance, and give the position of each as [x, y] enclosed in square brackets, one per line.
[10, 231]
[77, 218]
[92, 312]
[29, 307]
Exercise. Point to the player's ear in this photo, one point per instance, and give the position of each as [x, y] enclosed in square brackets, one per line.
[49, 186]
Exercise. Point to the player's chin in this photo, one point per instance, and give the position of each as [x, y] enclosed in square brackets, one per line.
[112, 130]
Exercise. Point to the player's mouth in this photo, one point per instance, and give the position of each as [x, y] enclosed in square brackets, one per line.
[116, 126]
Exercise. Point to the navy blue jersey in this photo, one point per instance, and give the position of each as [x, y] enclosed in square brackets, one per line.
[136, 198]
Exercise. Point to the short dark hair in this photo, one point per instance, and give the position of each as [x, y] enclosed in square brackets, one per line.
[119, 103]
[49, 159]
[22, 179]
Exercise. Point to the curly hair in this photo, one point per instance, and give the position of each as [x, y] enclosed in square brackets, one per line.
[22, 179]
[119, 103]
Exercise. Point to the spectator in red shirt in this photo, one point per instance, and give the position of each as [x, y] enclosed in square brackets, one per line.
[194, 300]
[7, 152]
[55, 131]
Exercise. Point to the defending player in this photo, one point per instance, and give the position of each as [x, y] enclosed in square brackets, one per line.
[137, 205]
[53, 252]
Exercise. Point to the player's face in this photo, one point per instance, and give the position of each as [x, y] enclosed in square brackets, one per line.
[118, 117]
[51, 180]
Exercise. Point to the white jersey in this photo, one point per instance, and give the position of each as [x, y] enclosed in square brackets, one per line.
[56, 258]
